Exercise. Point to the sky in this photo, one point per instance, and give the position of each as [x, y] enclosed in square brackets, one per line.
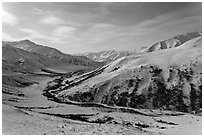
[90, 27]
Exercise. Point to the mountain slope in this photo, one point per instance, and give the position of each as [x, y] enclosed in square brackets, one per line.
[112, 55]
[107, 55]
[172, 42]
[52, 53]
[167, 79]
[26, 56]
[15, 59]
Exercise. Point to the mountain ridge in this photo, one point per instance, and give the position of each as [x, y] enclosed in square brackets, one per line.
[107, 55]
[112, 55]
[172, 42]
[164, 79]
[40, 56]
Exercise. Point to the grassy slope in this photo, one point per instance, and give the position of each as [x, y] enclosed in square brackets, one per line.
[146, 68]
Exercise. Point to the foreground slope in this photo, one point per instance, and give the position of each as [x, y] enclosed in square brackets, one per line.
[26, 111]
[165, 79]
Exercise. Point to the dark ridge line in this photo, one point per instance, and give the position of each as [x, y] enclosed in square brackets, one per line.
[36, 107]
[84, 77]
[85, 118]
[90, 104]
[20, 94]
[79, 117]
[52, 72]
[165, 122]
[123, 109]
[68, 115]
[142, 125]
[96, 70]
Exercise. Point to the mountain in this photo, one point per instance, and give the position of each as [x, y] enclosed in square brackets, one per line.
[23, 44]
[15, 59]
[112, 55]
[168, 79]
[172, 42]
[33, 57]
[107, 55]
[51, 52]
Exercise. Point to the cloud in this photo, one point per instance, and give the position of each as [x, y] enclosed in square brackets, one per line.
[34, 34]
[64, 31]
[98, 33]
[52, 20]
[7, 37]
[59, 35]
[75, 37]
[63, 34]
[38, 11]
[8, 18]
[173, 21]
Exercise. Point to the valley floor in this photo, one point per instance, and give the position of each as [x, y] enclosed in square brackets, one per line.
[29, 112]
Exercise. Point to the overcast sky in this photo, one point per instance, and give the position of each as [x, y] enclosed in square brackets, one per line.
[84, 27]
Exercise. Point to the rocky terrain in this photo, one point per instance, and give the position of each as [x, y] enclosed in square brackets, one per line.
[112, 55]
[26, 56]
[25, 111]
[157, 92]
[107, 56]
[172, 42]
[167, 79]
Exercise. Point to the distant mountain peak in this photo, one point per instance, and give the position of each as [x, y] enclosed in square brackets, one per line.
[29, 42]
[173, 42]
[107, 55]
[26, 40]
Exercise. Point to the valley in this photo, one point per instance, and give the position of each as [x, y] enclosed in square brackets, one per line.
[45, 91]
[27, 111]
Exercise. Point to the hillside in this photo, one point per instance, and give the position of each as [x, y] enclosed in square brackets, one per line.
[51, 52]
[107, 55]
[17, 60]
[26, 56]
[130, 95]
[164, 79]
[112, 55]
[172, 42]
